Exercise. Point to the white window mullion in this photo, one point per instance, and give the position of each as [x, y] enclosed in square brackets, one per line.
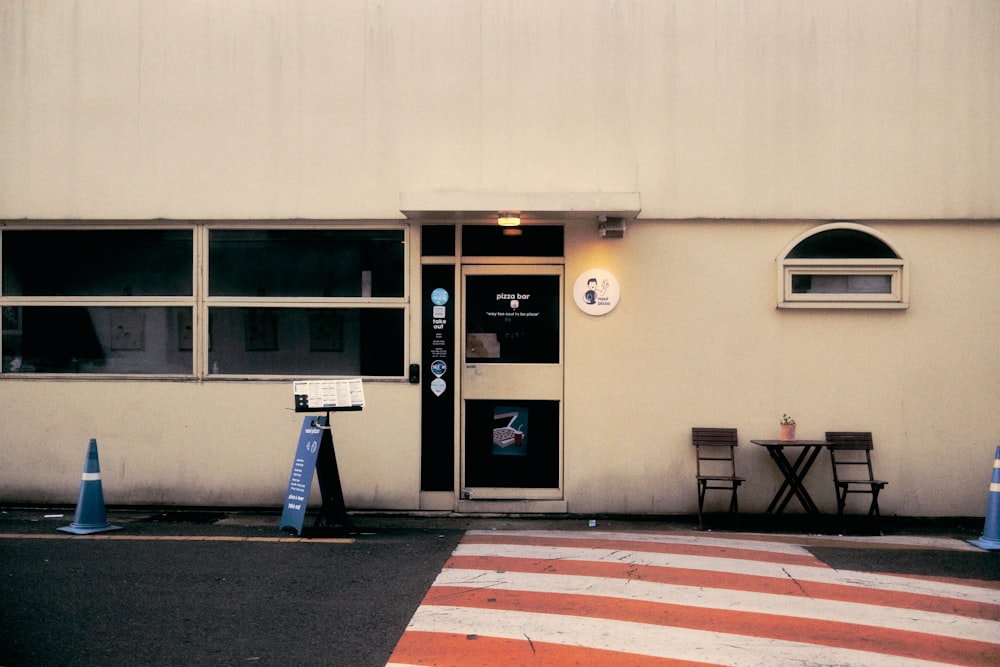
[200, 333]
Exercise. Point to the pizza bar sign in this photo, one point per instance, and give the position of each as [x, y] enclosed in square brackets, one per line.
[514, 304]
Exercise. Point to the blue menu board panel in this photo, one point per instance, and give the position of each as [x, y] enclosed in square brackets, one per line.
[294, 512]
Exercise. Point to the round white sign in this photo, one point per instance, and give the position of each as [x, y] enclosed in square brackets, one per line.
[596, 292]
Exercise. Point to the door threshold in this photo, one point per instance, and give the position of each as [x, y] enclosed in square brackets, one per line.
[513, 506]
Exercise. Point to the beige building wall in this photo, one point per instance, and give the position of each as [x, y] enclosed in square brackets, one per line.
[272, 109]
[187, 443]
[739, 125]
[697, 341]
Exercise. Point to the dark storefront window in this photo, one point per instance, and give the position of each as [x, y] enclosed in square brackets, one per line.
[276, 302]
[112, 263]
[97, 339]
[306, 341]
[523, 241]
[306, 263]
[108, 301]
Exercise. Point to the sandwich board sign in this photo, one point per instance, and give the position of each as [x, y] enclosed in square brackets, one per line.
[293, 514]
[315, 451]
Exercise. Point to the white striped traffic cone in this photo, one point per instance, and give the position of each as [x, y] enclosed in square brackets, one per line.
[90, 516]
[991, 532]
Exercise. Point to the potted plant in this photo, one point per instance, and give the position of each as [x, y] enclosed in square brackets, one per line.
[787, 428]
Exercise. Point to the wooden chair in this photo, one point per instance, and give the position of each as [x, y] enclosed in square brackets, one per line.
[851, 459]
[715, 450]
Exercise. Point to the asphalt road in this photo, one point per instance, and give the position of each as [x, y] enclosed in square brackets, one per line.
[92, 601]
[218, 589]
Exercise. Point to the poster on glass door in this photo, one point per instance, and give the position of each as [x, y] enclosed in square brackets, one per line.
[510, 430]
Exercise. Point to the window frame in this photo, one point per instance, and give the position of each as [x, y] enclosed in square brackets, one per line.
[203, 363]
[896, 268]
[175, 301]
[199, 302]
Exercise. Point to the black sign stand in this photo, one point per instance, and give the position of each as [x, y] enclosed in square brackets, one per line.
[332, 517]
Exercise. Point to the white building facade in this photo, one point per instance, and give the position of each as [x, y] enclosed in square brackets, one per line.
[786, 207]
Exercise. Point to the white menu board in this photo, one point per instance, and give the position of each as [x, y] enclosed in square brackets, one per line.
[328, 394]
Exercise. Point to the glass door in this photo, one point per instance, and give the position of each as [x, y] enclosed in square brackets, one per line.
[512, 382]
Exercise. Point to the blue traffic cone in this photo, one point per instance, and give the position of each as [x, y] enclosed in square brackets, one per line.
[991, 532]
[90, 516]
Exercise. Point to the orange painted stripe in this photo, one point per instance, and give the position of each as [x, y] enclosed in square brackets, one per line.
[649, 547]
[732, 581]
[453, 650]
[834, 634]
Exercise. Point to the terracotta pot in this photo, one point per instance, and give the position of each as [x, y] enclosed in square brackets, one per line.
[788, 431]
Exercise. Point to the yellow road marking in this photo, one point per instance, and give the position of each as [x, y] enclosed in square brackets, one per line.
[181, 538]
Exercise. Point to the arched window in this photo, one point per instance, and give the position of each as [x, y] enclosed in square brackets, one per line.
[841, 265]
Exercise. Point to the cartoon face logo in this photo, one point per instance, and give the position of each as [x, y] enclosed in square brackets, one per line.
[514, 304]
[596, 292]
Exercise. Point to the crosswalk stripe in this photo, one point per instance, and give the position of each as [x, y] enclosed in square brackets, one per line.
[838, 634]
[699, 539]
[622, 599]
[786, 557]
[713, 567]
[482, 651]
[453, 582]
[754, 541]
[646, 639]
[788, 585]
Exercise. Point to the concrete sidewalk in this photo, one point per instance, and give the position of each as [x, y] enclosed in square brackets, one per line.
[252, 518]
[902, 534]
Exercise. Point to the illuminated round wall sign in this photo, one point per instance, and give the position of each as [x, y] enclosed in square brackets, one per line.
[596, 292]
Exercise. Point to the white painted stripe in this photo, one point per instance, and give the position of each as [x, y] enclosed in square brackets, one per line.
[736, 601]
[996, 463]
[91, 477]
[737, 566]
[631, 557]
[643, 639]
[995, 487]
[658, 538]
[790, 544]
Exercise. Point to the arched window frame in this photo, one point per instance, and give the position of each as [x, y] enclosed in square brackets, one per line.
[895, 268]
